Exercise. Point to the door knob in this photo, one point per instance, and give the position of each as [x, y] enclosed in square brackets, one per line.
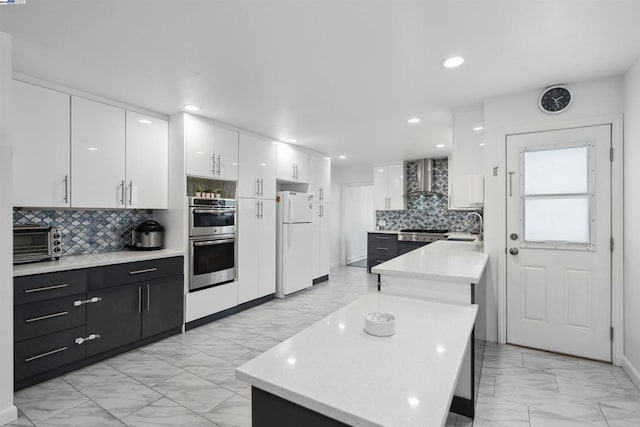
[514, 251]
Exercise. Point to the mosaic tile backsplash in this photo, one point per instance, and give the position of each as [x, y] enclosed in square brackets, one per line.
[427, 210]
[87, 232]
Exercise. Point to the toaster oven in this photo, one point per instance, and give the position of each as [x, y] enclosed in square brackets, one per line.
[36, 243]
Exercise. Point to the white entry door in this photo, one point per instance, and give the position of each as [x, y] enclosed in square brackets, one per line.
[558, 241]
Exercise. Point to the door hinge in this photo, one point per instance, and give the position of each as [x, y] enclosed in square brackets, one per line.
[611, 244]
[611, 154]
[611, 333]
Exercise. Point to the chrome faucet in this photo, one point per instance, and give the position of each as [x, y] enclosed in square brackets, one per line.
[481, 230]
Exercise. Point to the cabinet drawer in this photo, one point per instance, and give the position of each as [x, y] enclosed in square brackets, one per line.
[45, 317]
[42, 287]
[382, 248]
[38, 355]
[134, 272]
[373, 260]
[382, 237]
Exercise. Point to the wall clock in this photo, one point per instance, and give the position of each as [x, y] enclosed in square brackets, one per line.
[555, 99]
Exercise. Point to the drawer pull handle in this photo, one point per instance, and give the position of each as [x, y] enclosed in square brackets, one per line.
[91, 337]
[48, 353]
[46, 288]
[382, 248]
[48, 316]
[382, 238]
[146, 270]
[78, 303]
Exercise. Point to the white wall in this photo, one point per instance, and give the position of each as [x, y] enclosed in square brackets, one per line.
[593, 101]
[631, 223]
[8, 412]
[342, 175]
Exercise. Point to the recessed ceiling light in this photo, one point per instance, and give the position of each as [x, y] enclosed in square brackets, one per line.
[263, 164]
[453, 62]
[199, 152]
[92, 149]
[413, 120]
[291, 360]
[482, 144]
[145, 121]
[477, 128]
[380, 170]
[440, 146]
[413, 401]
[342, 157]
[190, 107]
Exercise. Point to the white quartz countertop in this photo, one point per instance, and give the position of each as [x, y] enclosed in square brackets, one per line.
[441, 260]
[75, 262]
[335, 368]
[384, 231]
[450, 234]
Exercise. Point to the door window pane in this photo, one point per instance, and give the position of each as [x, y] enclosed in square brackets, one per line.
[557, 219]
[556, 171]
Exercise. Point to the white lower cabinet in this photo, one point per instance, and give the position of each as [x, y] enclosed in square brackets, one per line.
[320, 228]
[256, 248]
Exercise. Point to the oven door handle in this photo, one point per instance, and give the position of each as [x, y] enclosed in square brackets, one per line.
[213, 211]
[213, 242]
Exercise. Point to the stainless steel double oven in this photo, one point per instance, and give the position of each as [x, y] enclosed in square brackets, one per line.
[212, 242]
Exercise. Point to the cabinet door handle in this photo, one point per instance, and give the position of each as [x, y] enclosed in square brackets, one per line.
[382, 238]
[148, 297]
[219, 163]
[81, 340]
[46, 288]
[48, 353]
[146, 270]
[258, 210]
[261, 210]
[66, 188]
[48, 316]
[122, 193]
[130, 193]
[93, 300]
[382, 249]
[257, 187]
[261, 187]
[139, 299]
[213, 158]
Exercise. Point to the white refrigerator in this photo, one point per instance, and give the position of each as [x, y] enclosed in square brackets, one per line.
[294, 242]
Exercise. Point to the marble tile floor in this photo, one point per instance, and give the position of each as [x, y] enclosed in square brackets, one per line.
[188, 379]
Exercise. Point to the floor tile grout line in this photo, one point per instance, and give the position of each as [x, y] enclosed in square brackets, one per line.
[604, 417]
[91, 400]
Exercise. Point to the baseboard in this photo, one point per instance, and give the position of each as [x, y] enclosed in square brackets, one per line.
[631, 370]
[357, 258]
[8, 414]
[228, 312]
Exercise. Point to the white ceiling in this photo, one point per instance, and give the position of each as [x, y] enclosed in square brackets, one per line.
[341, 77]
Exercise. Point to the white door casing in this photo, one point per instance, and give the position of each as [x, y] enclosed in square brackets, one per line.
[559, 281]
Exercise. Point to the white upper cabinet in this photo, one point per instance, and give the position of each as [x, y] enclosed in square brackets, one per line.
[466, 182]
[212, 151]
[41, 145]
[257, 177]
[389, 186]
[293, 164]
[97, 154]
[320, 178]
[147, 147]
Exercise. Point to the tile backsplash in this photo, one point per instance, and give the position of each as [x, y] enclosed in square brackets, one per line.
[87, 231]
[427, 210]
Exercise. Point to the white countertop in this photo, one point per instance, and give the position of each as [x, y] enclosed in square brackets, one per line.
[75, 262]
[335, 368]
[441, 260]
[384, 231]
[450, 234]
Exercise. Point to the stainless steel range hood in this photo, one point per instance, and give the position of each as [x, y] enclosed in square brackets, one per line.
[426, 178]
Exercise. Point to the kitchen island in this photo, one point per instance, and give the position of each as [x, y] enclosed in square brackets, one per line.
[452, 272]
[334, 373]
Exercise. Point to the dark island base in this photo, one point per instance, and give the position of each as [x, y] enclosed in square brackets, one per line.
[268, 410]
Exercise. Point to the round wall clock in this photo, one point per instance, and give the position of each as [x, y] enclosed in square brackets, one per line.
[555, 99]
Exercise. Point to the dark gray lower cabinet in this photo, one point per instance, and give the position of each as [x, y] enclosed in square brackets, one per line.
[161, 311]
[66, 320]
[116, 318]
[404, 247]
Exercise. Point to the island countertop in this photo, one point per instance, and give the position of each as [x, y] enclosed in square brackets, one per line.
[442, 260]
[75, 262]
[338, 370]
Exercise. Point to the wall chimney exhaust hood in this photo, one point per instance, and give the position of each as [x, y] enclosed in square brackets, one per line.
[426, 179]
